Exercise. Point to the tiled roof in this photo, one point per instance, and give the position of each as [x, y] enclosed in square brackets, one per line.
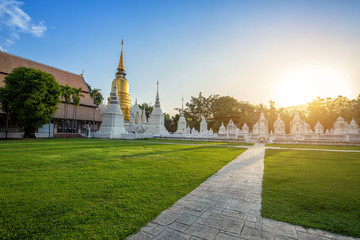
[8, 62]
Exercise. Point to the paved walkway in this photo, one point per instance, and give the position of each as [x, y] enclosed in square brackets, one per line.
[226, 206]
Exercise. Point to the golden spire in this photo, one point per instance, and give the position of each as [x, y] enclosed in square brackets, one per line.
[121, 63]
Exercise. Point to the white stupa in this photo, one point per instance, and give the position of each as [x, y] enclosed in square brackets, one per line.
[181, 128]
[156, 120]
[245, 129]
[353, 127]
[279, 125]
[203, 126]
[112, 125]
[319, 129]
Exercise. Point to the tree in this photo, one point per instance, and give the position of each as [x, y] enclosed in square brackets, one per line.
[197, 108]
[148, 109]
[76, 95]
[66, 92]
[272, 116]
[31, 98]
[97, 97]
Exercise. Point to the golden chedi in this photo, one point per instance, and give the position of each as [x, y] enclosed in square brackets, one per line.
[122, 87]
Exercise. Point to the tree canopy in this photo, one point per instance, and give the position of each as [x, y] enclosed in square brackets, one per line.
[220, 109]
[31, 98]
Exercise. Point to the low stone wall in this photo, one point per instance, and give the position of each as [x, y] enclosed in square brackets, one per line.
[202, 139]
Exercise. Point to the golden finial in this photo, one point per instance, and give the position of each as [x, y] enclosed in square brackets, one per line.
[121, 63]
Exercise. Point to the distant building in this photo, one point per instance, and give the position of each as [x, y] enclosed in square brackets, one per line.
[87, 113]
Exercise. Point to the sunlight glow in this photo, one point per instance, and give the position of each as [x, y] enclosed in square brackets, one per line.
[303, 85]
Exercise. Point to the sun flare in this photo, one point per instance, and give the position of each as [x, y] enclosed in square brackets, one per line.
[304, 85]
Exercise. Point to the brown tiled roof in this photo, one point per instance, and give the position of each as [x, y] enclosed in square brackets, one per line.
[83, 113]
[8, 62]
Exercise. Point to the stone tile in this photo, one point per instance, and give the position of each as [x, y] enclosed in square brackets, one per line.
[186, 219]
[222, 236]
[251, 218]
[221, 205]
[242, 216]
[140, 236]
[221, 198]
[239, 205]
[178, 226]
[267, 235]
[236, 238]
[225, 223]
[148, 227]
[191, 212]
[156, 230]
[258, 223]
[250, 224]
[279, 228]
[308, 236]
[213, 209]
[201, 221]
[230, 213]
[197, 206]
[202, 231]
[300, 229]
[166, 217]
[195, 238]
[169, 234]
[250, 234]
[206, 214]
[322, 233]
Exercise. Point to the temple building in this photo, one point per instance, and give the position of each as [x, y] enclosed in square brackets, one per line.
[87, 114]
[122, 87]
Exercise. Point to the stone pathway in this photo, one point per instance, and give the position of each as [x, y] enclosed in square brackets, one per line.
[226, 207]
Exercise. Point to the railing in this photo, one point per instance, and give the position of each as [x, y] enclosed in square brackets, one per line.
[11, 129]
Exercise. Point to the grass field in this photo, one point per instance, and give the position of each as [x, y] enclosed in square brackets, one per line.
[95, 189]
[313, 189]
[196, 142]
[315, 146]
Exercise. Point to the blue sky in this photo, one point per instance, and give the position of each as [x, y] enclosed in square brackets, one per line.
[256, 51]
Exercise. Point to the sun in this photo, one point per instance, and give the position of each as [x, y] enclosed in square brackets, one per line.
[303, 85]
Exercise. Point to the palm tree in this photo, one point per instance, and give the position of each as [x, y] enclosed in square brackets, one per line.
[76, 95]
[65, 93]
[97, 98]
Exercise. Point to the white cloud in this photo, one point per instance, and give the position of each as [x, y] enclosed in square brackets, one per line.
[13, 20]
[9, 42]
[1, 48]
[38, 30]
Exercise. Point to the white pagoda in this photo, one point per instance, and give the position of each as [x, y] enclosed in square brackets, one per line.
[112, 125]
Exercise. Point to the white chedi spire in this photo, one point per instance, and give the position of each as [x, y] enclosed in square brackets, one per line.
[203, 126]
[222, 129]
[114, 102]
[157, 101]
[181, 127]
[156, 120]
[112, 125]
[319, 129]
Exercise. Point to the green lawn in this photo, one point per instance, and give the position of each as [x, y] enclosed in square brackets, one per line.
[313, 189]
[315, 146]
[95, 189]
[196, 142]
